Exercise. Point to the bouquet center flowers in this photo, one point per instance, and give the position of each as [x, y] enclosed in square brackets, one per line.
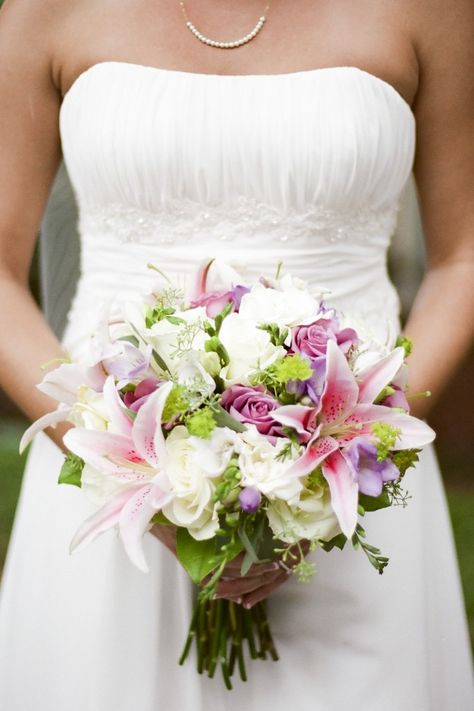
[254, 419]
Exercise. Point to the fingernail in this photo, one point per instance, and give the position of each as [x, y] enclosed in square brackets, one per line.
[239, 601]
[247, 605]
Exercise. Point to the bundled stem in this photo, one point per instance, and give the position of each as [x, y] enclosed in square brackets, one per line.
[219, 628]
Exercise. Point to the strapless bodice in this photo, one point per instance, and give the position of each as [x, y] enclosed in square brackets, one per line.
[172, 167]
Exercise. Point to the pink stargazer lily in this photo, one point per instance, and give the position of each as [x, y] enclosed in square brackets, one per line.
[133, 453]
[346, 411]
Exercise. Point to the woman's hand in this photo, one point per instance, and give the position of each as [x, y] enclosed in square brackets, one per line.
[247, 589]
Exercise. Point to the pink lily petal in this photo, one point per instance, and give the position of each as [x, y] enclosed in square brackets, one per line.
[100, 521]
[344, 491]
[296, 416]
[414, 432]
[341, 391]
[117, 411]
[201, 279]
[100, 449]
[315, 453]
[375, 377]
[146, 431]
[135, 519]
[48, 420]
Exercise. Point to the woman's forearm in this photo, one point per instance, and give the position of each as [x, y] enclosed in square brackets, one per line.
[27, 343]
[441, 325]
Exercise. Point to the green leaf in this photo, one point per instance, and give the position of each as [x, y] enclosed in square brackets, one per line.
[338, 541]
[71, 470]
[161, 520]
[405, 458]
[159, 361]
[373, 503]
[223, 419]
[196, 557]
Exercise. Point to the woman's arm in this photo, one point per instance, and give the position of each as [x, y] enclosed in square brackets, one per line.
[29, 157]
[441, 321]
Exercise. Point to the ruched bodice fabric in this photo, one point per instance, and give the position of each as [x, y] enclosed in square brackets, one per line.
[172, 167]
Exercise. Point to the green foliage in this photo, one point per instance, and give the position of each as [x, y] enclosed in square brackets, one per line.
[201, 423]
[292, 367]
[228, 489]
[177, 403]
[215, 345]
[406, 343]
[71, 470]
[373, 554]
[196, 557]
[315, 479]
[338, 541]
[386, 436]
[277, 335]
[223, 419]
[405, 459]
[373, 503]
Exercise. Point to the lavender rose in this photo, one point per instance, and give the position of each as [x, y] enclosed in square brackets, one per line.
[253, 405]
[313, 339]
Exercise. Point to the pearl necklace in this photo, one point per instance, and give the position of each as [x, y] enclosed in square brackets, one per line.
[225, 45]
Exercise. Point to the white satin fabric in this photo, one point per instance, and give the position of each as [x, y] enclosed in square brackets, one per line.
[171, 167]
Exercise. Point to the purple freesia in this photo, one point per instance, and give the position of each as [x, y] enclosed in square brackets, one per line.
[250, 499]
[237, 292]
[314, 386]
[253, 405]
[128, 363]
[399, 384]
[136, 398]
[313, 338]
[370, 473]
[397, 399]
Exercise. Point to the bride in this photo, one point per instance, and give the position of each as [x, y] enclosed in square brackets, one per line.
[295, 146]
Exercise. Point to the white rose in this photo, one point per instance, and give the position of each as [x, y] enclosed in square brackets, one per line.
[249, 348]
[164, 335]
[261, 469]
[289, 307]
[311, 517]
[193, 465]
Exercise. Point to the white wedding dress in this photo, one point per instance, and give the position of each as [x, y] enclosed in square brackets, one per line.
[171, 167]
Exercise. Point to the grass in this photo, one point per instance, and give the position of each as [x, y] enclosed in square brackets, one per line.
[461, 504]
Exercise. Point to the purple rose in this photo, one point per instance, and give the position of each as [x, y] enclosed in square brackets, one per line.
[313, 338]
[250, 499]
[253, 405]
[371, 474]
[134, 400]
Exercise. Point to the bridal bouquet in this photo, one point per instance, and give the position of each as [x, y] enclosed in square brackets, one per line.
[253, 419]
